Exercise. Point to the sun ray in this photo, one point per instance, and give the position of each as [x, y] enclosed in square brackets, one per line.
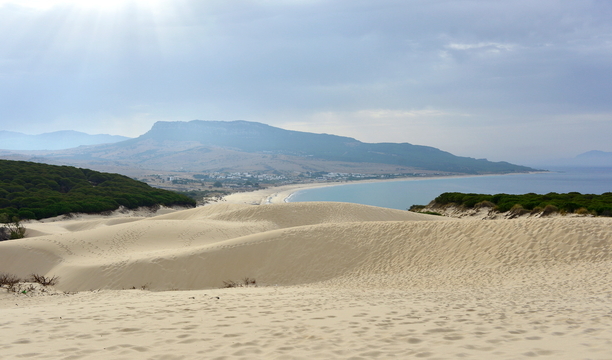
[99, 5]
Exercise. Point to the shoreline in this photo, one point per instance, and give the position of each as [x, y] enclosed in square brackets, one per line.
[280, 194]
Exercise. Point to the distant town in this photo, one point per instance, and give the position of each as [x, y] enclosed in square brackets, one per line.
[212, 185]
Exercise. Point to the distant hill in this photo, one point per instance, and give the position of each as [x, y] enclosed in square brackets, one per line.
[595, 158]
[35, 191]
[57, 140]
[249, 146]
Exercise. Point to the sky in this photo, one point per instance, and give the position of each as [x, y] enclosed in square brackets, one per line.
[516, 80]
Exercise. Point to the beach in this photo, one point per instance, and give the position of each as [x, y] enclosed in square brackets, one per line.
[332, 281]
[281, 194]
[272, 195]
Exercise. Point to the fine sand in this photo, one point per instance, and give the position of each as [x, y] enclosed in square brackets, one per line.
[272, 195]
[334, 281]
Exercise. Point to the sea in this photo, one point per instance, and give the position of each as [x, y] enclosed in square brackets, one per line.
[402, 194]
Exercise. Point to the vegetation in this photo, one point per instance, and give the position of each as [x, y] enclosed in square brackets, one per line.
[43, 280]
[431, 213]
[11, 228]
[573, 202]
[205, 196]
[15, 284]
[420, 209]
[246, 282]
[35, 191]
[9, 280]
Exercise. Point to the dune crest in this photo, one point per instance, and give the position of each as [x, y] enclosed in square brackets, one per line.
[299, 243]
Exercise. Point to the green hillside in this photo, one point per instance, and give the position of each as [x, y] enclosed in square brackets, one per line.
[36, 191]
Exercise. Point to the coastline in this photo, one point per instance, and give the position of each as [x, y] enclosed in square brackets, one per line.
[272, 195]
[280, 194]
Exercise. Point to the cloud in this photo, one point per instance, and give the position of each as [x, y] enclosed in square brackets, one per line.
[489, 47]
[513, 62]
[379, 125]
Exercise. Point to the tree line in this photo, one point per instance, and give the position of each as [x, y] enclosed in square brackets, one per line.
[31, 190]
[573, 202]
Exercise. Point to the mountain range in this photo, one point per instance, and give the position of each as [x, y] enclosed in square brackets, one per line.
[595, 158]
[199, 146]
[591, 159]
[57, 140]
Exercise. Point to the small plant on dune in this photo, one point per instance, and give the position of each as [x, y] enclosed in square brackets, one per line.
[43, 280]
[518, 210]
[582, 211]
[536, 210]
[230, 284]
[430, 213]
[484, 204]
[9, 280]
[246, 282]
[142, 287]
[416, 208]
[11, 228]
[419, 209]
[549, 209]
[249, 282]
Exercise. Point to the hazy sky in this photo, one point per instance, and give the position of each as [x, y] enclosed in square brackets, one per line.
[514, 80]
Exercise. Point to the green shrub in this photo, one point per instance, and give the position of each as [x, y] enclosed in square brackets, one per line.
[11, 229]
[430, 213]
[518, 210]
[536, 203]
[484, 204]
[536, 210]
[550, 209]
[582, 211]
[416, 208]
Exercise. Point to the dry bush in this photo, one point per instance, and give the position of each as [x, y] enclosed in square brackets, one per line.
[246, 282]
[9, 279]
[549, 209]
[582, 211]
[142, 287]
[484, 204]
[249, 282]
[536, 210]
[43, 280]
[230, 284]
[518, 210]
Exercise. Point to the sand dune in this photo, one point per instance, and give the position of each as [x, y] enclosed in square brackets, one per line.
[289, 244]
[336, 281]
[196, 248]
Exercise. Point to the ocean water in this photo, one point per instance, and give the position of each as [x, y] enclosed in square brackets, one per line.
[402, 194]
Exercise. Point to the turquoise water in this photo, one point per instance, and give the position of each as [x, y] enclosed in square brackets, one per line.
[404, 193]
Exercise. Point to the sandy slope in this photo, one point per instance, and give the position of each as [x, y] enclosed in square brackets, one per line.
[336, 281]
[197, 248]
